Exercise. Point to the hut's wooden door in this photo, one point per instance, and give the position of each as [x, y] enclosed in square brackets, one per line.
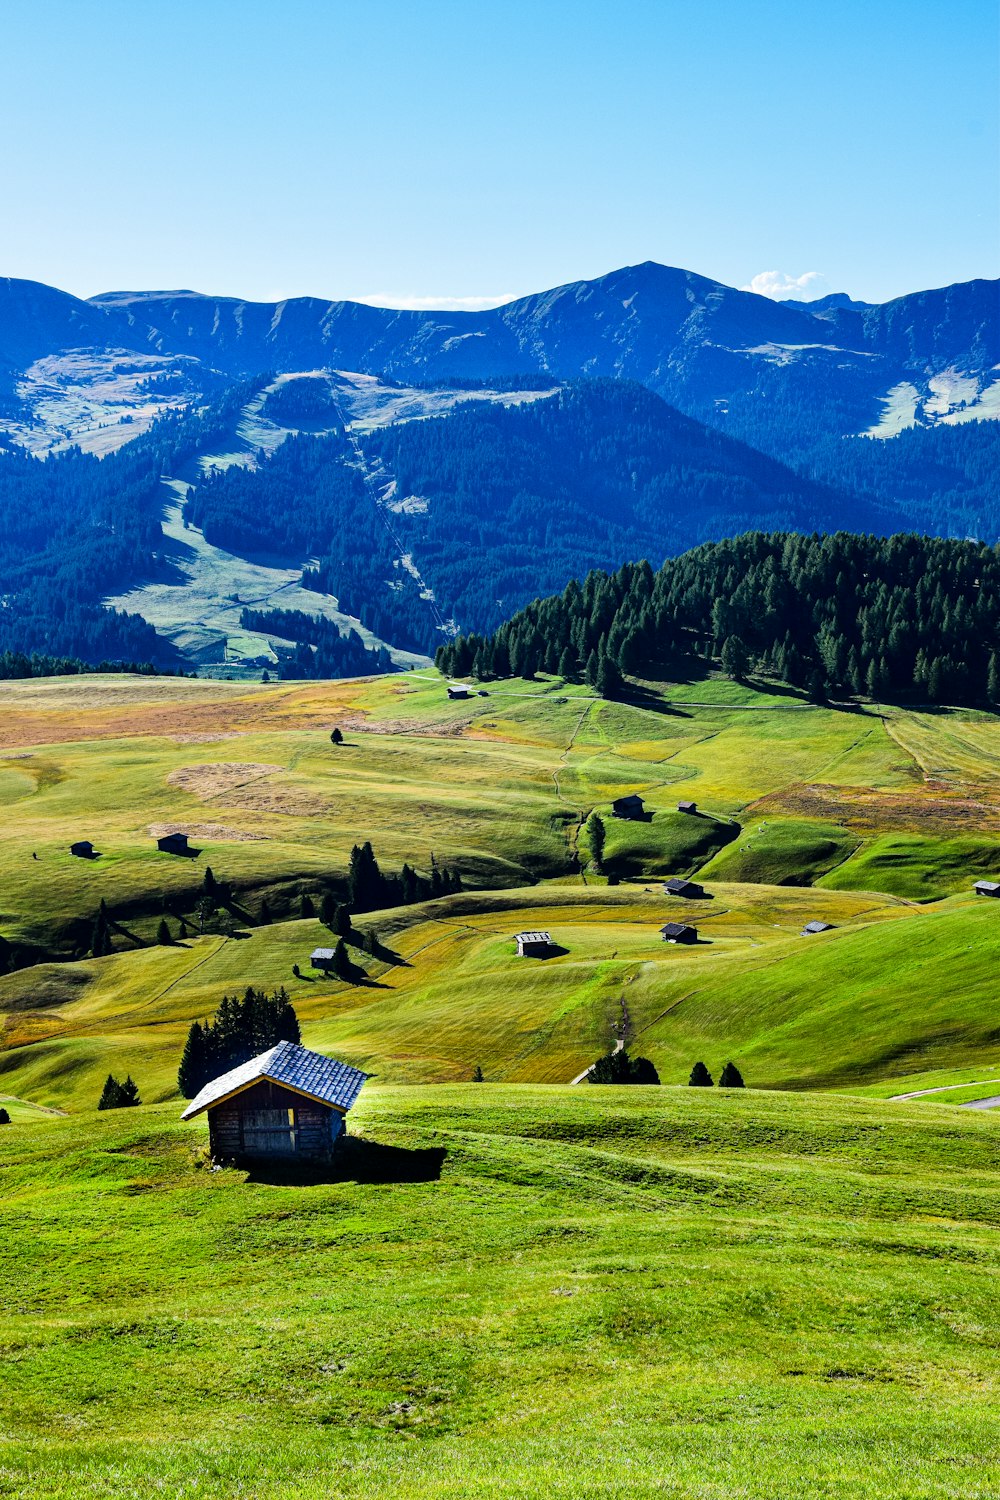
[269, 1132]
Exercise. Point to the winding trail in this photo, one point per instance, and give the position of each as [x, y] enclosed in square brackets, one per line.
[619, 1044]
[947, 1088]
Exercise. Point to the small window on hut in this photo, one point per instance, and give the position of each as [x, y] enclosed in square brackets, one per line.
[269, 1131]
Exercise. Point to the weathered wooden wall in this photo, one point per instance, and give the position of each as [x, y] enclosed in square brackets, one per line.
[316, 1125]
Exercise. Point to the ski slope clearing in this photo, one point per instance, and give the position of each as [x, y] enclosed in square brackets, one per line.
[199, 613]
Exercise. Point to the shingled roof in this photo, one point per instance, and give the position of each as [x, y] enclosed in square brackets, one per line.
[310, 1073]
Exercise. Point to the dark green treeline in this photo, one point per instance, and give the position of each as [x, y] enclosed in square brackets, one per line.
[908, 617]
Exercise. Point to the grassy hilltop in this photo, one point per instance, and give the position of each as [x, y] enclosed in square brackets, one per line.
[515, 1291]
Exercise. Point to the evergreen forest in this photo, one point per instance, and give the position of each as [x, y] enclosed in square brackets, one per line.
[906, 617]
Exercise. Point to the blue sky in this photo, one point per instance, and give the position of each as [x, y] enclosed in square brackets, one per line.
[413, 151]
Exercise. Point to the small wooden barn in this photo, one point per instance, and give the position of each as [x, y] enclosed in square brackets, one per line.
[83, 849]
[459, 690]
[533, 944]
[173, 843]
[286, 1103]
[629, 807]
[987, 887]
[811, 927]
[687, 807]
[322, 958]
[677, 886]
[679, 932]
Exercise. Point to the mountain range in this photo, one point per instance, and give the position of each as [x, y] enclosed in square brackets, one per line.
[707, 348]
[634, 414]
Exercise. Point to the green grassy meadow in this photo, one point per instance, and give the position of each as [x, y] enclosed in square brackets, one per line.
[516, 1288]
[875, 822]
[522, 1290]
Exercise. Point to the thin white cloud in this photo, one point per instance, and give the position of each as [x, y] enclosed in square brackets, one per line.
[780, 287]
[435, 304]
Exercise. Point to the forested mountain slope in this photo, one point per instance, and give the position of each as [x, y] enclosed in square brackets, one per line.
[906, 617]
[714, 351]
[494, 504]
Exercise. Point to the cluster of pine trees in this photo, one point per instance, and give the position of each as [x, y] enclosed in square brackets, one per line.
[907, 617]
[118, 1095]
[370, 889]
[242, 1027]
[17, 664]
[619, 1067]
[322, 650]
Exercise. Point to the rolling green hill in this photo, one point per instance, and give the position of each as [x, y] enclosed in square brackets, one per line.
[876, 822]
[518, 1291]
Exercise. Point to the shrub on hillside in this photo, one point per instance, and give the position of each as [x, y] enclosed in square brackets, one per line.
[618, 1067]
[117, 1095]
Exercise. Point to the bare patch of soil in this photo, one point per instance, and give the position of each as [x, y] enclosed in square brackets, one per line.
[933, 808]
[215, 833]
[208, 739]
[247, 785]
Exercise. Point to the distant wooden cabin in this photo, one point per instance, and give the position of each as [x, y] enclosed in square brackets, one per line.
[812, 927]
[533, 944]
[679, 932]
[629, 807]
[288, 1103]
[173, 843]
[687, 807]
[459, 690]
[987, 887]
[676, 886]
[83, 849]
[322, 958]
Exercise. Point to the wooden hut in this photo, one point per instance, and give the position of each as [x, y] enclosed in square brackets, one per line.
[679, 932]
[83, 849]
[687, 807]
[533, 944]
[812, 927]
[173, 843]
[677, 886]
[459, 690]
[322, 958]
[286, 1103]
[987, 887]
[629, 807]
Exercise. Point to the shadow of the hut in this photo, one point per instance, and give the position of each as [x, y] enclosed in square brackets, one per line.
[356, 1160]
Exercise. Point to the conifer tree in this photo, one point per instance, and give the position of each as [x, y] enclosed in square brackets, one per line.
[110, 1094]
[4, 1116]
[337, 738]
[477, 1076]
[700, 1078]
[731, 1077]
[595, 838]
[342, 921]
[328, 909]
[192, 1075]
[306, 907]
[341, 960]
[129, 1095]
[163, 934]
[734, 658]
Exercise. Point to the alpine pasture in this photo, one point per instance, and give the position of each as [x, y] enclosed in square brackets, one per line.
[515, 1287]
